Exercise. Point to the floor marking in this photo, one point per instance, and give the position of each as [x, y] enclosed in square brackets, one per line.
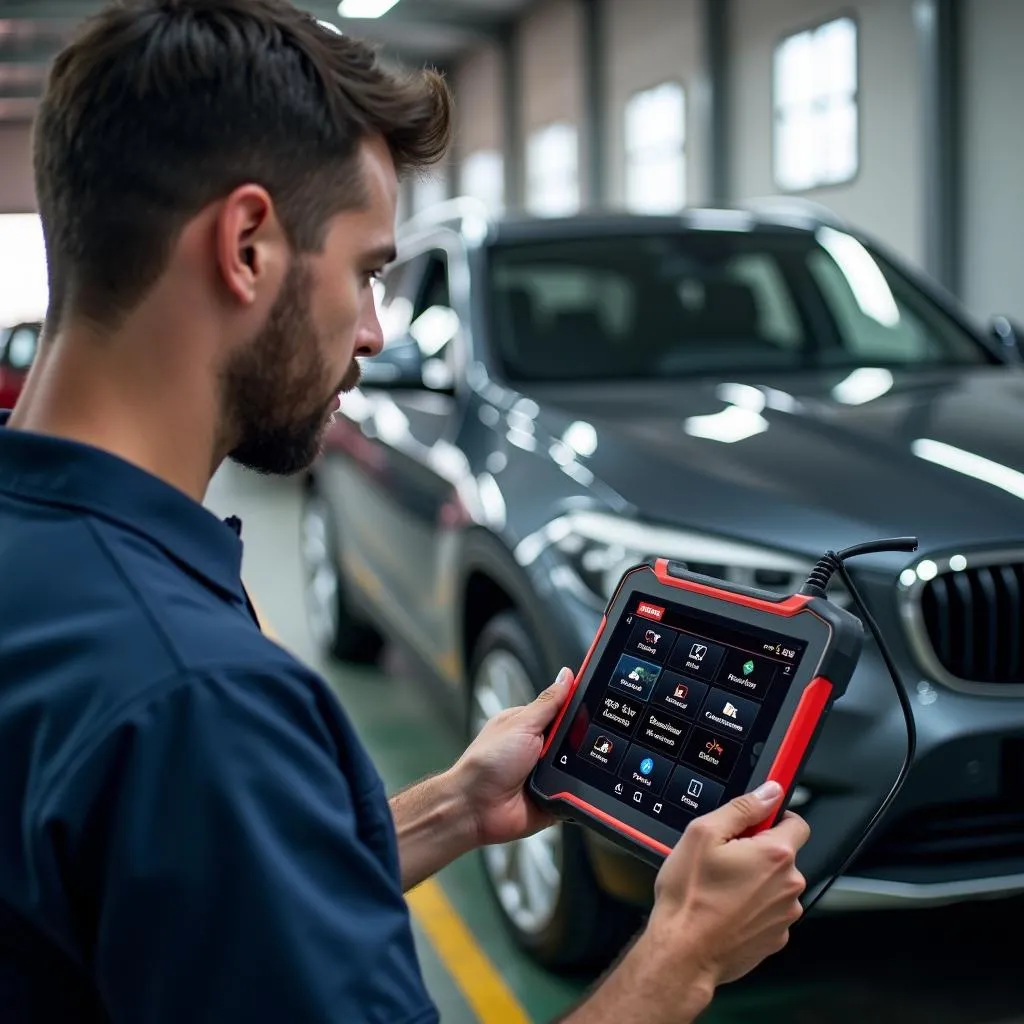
[479, 981]
[489, 997]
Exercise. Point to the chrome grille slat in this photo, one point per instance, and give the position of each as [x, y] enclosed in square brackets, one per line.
[967, 621]
[1012, 576]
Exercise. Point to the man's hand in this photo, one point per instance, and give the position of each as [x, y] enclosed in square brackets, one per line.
[734, 899]
[721, 905]
[492, 772]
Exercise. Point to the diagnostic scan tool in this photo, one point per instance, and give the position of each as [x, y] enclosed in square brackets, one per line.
[695, 691]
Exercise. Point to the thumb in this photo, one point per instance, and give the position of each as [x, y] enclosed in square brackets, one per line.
[744, 812]
[541, 712]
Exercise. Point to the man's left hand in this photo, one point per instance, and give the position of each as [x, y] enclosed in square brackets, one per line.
[491, 774]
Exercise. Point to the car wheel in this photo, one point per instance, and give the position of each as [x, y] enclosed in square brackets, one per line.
[335, 631]
[543, 885]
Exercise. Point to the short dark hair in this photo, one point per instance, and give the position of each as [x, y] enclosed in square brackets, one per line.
[159, 107]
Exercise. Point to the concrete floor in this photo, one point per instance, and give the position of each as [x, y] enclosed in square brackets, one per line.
[951, 966]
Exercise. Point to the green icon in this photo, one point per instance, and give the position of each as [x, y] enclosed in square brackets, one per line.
[748, 668]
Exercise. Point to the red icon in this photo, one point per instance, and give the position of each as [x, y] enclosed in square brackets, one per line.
[714, 748]
[681, 691]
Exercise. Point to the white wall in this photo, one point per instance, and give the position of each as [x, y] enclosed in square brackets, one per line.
[550, 47]
[477, 85]
[17, 192]
[886, 197]
[649, 42]
[992, 265]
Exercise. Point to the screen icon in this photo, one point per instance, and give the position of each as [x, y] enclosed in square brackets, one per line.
[563, 759]
[698, 652]
[637, 796]
[694, 788]
[714, 748]
[748, 667]
[647, 766]
[657, 808]
[681, 691]
[730, 710]
[618, 789]
[652, 638]
[603, 745]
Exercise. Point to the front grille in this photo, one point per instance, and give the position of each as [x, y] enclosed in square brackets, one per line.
[973, 619]
[947, 836]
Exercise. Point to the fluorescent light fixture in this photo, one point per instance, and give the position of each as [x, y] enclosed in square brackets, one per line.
[365, 8]
[728, 426]
[863, 385]
[994, 473]
[866, 280]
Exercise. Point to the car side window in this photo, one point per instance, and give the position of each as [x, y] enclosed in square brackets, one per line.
[394, 295]
[435, 325]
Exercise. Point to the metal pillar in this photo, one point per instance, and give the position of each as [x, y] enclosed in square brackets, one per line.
[594, 66]
[715, 19]
[513, 145]
[936, 26]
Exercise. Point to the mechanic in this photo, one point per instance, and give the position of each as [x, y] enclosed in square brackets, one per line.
[189, 828]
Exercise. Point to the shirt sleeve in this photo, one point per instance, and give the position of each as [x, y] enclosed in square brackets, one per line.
[224, 866]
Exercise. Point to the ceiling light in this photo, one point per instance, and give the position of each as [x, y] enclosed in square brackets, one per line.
[365, 8]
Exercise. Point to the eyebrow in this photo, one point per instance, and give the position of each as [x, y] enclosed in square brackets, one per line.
[383, 255]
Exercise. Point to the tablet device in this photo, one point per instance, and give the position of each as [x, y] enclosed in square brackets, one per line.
[693, 691]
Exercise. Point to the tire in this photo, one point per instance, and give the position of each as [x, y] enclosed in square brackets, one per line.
[335, 631]
[544, 886]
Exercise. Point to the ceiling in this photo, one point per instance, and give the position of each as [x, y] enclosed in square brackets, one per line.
[414, 31]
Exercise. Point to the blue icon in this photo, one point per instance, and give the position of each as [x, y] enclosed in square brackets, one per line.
[646, 766]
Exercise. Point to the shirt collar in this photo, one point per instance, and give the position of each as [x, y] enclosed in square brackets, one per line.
[54, 471]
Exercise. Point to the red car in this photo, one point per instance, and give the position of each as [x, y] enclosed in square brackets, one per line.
[17, 350]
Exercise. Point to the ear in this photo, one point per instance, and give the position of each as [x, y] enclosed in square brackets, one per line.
[251, 245]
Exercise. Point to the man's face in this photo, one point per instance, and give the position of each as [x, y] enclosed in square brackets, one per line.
[282, 389]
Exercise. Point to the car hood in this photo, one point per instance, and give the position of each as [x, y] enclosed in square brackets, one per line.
[813, 461]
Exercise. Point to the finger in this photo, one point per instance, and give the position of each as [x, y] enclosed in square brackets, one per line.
[542, 710]
[792, 830]
[743, 812]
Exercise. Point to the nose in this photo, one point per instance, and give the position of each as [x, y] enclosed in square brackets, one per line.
[370, 336]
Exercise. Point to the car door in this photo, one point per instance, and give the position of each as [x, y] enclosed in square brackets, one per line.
[402, 476]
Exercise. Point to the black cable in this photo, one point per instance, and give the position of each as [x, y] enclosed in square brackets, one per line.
[816, 585]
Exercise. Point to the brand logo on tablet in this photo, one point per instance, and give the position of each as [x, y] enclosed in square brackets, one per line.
[650, 611]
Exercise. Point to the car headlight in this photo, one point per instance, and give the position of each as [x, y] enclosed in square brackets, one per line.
[598, 548]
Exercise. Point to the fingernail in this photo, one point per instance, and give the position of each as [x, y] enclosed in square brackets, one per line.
[768, 792]
[564, 676]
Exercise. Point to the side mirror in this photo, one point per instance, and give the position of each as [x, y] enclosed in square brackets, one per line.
[1009, 335]
[403, 367]
[398, 367]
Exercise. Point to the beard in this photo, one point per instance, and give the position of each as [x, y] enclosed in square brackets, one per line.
[268, 388]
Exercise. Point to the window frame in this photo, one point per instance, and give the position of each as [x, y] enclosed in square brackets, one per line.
[843, 14]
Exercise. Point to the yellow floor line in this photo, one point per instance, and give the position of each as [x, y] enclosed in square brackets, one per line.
[479, 981]
[490, 999]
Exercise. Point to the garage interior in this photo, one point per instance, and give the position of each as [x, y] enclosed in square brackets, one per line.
[897, 118]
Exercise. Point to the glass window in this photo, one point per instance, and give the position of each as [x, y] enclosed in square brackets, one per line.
[552, 171]
[815, 100]
[655, 149]
[483, 178]
[711, 303]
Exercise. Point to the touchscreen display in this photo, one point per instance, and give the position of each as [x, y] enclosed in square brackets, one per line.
[678, 709]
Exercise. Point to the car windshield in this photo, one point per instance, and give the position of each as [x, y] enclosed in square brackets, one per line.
[711, 302]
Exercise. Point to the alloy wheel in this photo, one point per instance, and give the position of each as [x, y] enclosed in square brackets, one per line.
[526, 874]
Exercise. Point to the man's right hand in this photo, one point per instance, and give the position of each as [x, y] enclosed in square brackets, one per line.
[722, 903]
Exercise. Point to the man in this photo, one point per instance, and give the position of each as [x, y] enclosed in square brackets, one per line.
[189, 828]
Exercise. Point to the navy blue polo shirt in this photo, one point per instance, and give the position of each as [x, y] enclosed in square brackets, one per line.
[189, 828]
